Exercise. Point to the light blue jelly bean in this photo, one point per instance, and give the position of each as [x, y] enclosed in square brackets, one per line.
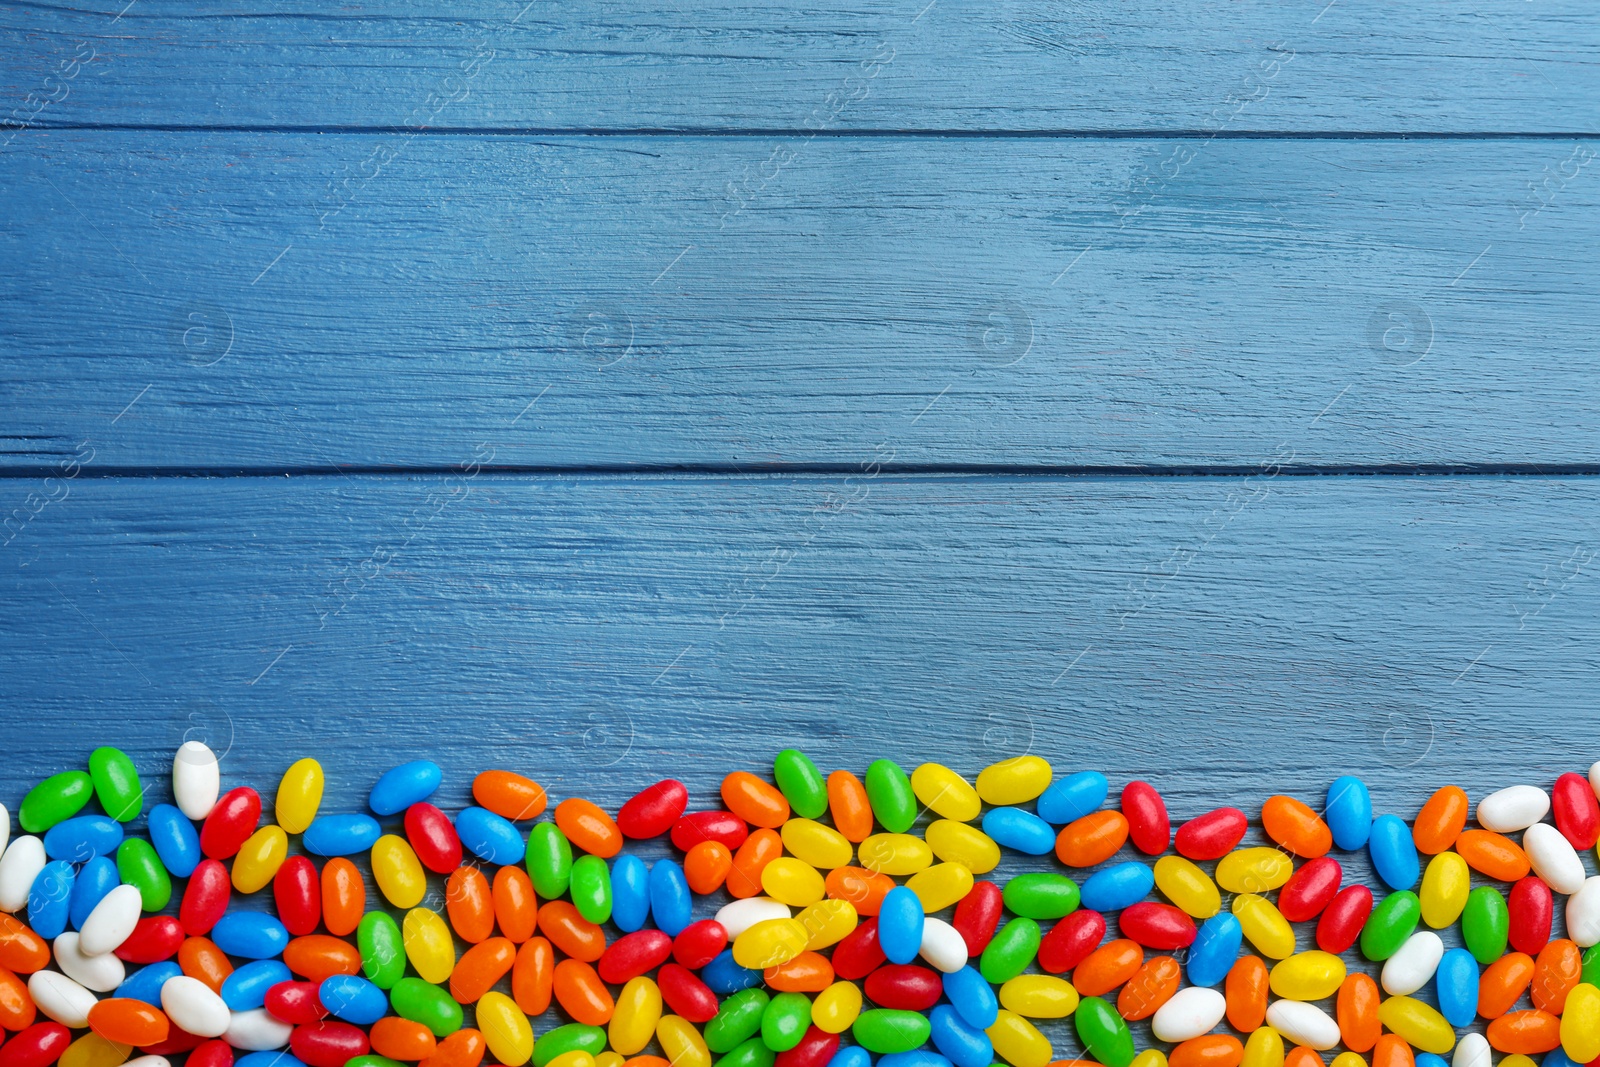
[851, 1056]
[670, 902]
[900, 920]
[353, 999]
[1556, 1057]
[1394, 852]
[722, 976]
[1117, 887]
[489, 837]
[341, 835]
[272, 1058]
[81, 839]
[630, 893]
[404, 786]
[1456, 985]
[1429, 1059]
[246, 987]
[50, 899]
[145, 983]
[95, 879]
[176, 840]
[1021, 830]
[1215, 949]
[964, 1045]
[919, 1057]
[1073, 797]
[253, 935]
[973, 997]
[1348, 812]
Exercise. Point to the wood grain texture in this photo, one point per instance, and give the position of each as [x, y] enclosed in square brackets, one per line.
[185, 300]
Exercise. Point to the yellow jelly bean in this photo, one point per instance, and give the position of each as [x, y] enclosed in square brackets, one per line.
[609, 1059]
[835, 1009]
[895, 854]
[1263, 1048]
[940, 886]
[1150, 1057]
[1418, 1024]
[792, 882]
[1014, 781]
[1580, 1024]
[1017, 1041]
[1187, 886]
[1264, 926]
[821, 846]
[682, 1043]
[956, 842]
[299, 795]
[945, 792]
[505, 1028]
[1444, 890]
[769, 943]
[1253, 870]
[1517, 1059]
[633, 1022]
[1352, 1059]
[576, 1058]
[259, 858]
[1039, 996]
[92, 1050]
[827, 922]
[1307, 976]
[428, 945]
[398, 872]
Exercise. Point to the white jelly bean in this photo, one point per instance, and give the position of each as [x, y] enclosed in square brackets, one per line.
[1594, 777]
[1189, 1013]
[193, 1007]
[1303, 1024]
[196, 780]
[256, 1031]
[101, 973]
[1412, 967]
[5, 828]
[741, 915]
[148, 1061]
[111, 921]
[1472, 1051]
[1553, 858]
[19, 866]
[1583, 913]
[943, 946]
[1514, 808]
[61, 999]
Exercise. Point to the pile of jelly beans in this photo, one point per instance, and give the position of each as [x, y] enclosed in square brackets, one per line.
[849, 919]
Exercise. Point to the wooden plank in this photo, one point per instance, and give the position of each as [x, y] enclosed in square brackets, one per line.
[1497, 65]
[188, 300]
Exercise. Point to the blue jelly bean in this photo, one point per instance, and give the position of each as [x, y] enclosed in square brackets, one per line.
[900, 920]
[972, 996]
[630, 893]
[963, 1044]
[1556, 1057]
[81, 839]
[919, 1057]
[247, 986]
[1020, 830]
[341, 835]
[145, 983]
[1215, 949]
[851, 1056]
[1349, 812]
[489, 837]
[95, 879]
[1117, 887]
[353, 999]
[272, 1058]
[722, 976]
[1456, 985]
[1394, 852]
[50, 899]
[176, 840]
[405, 785]
[669, 897]
[1073, 797]
[251, 934]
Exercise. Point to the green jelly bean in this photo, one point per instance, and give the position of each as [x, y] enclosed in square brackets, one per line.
[1485, 924]
[737, 1020]
[784, 1022]
[591, 888]
[886, 1030]
[801, 783]
[549, 860]
[1041, 896]
[1390, 923]
[372, 1059]
[751, 1053]
[425, 1003]
[1591, 966]
[1103, 1032]
[383, 950]
[894, 805]
[1010, 951]
[139, 866]
[56, 799]
[566, 1038]
[116, 783]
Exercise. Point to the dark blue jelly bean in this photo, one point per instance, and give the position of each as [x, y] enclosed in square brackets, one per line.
[145, 983]
[1020, 830]
[1556, 1057]
[669, 897]
[1073, 797]
[81, 839]
[176, 840]
[1117, 887]
[50, 899]
[246, 987]
[963, 1044]
[900, 923]
[489, 837]
[630, 893]
[95, 879]
[1349, 813]
[405, 785]
[1394, 852]
[973, 997]
[341, 835]
[253, 935]
[723, 976]
[1215, 949]
[353, 999]
[1456, 985]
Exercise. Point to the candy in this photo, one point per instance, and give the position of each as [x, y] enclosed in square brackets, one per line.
[175, 840]
[1264, 926]
[1390, 923]
[250, 934]
[1263, 1049]
[99, 974]
[630, 894]
[900, 922]
[1444, 890]
[1215, 948]
[1310, 889]
[425, 1003]
[1253, 870]
[1010, 951]
[957, 842]
[1212, 1050]
[1102, 1031]
[1418, 1024]
[977, 917]
[1485, 924]
[1020, 830]
[194, 1007]
[1292, 824]
[1514, 808]
[723, 826]
[20, 865]
[1159, 926]
[836, 1008]
[941, 886]
[1532, 910]
[153, 939]
[942, 946]
[509, 795]
[82, 838]
[1212, 835]
[1394, 853]
[1503, 983]
[1114, 888]
[50, 897]
[110, 924]
[961, 1043]
[138, 865]
[1555, 973]
[1553, 858]
[1073, 797]
[1152, 985]
[341, 835]
[895, 854]
[1530, 1031]
[1303, 1023]
[1014, 781]
[196, 779]
[1146, 812]
[1190, 1013]
[533, 976]
[1456, 983]
[1579, 1029]
[480, 967]
[1440, 821]
[758, 849]
[54, 800]
[590, 887]
[1310, 975]
[1583, 914]
[1091, 840]
[946, 793]
[1245, 991]
[1413, 965]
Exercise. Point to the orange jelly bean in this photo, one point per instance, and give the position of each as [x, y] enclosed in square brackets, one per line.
[1303, 1056]
[589, 828]
[1357, 1012]
[319, 956]
[755, 801]
[1392, 1051]
[1555, 972]
[1441, 820]
[864, 889]
[533, 976]
[1246, 994]
[516, 908]
[1529, 1032]
[129, 1022]
[1296, 827]
[199, 958]
[1091, 840]
[1492, 855]
[570, 932]
[470, 904]
[21, 950]
[1151, 986]
[1502, 984]
[646, 1061]
[1208, 1050]
[706, 866]
[1107, 967]
[480, 967]
[847, 803]
[581, 994]
[809, 972]
[464, 1048]
[402, 1039]
[758, 850]
[510, 796]
[16, 1006]
[344, 896]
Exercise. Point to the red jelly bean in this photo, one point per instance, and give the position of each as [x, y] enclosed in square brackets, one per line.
[1310, 889]
[329, 1043]
[685, 994]
[723, 826]
[295, 1002]
[1071, 940]
[213, 1053]
[977, 917]
[653, 810]
[1343, 919]
[1146, 812]
[205, 900]
[432, 838]
[154, 939]
[1575, 810]
[38, 1045]
[298, 891]
[1532, 909]
[904, 986]
[859, 953]
[814, 1050]
[1159, 926]
[699, 943]
[1213, 835]
[177, 1041]
[230, 823]
[633, 954]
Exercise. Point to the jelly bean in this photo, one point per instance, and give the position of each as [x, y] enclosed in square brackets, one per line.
[1344, 919]
[1485, 924]
[1418, 1024]
[435, 841]
[946, 793]
[1583, 918]
[250, 934]
[741, 915]
[1158, 926]
[1413, 965]
[92, 1050]
[1264, 926]
[1579, 1029]
[1014, 781]
[100, 974]
[299, 795]
[175, 839]
[827, 922]
[751, 1053]
[759, 849]
[1020, 830]
[422, 1002]
[1440, 821]
[1292, 824]
[699, 943]
[1011, 950]
[231, 822]
[203, 960]
[941, 886]
[328, 1043]
[1394, 854]
[1253, 870]
[769, 943]
[464, 1048]
[581, 994]
[111, 922]
[1103, 1032]
[1037, 996]
[737, 1020]
[809, 972]
[858, 953]
[1311, 975]
[957, 842]
[1092, 839]
[259, 858]
[196, 779]
[1555, 972]
[681, 1042]
[343, 896]
[1310, 889]
[633, 955]
[1303, 1023]
[17, 1009]
[1264, 1048]
[591, 888]
[1525, 1032]
[140, 866]
[900, 923]
[1112, 889]
[1553, 859]
[50, 897]
[1445, 886]
[1532, 910]
[1212, 835]
[801, 783]
[1390, 923]
[400, 787]
[1146, 812]
[145, 983]
[298, 895]
[895, 854]
[1456, 984]
[669, 897]
[82, 838]
[723, 826]
[754, 801]
[630, 893]
[480, 967]
[904, 986]
[1189, 887]
[1514, 808]
[653, 810]
[549, 860]
[1189, 1014]
[784, 1022]
[95, 879]
[1503, 983]
[564, 1040]
[589, 828]
[383, 951]
[1245, 993]
[849, 806]
[22, 950]
[194, 1007]
[316, 956]
[960, 1042]
[54, 800]
[1051, 896]
[816, 1049]
[116, 784]
[837, 1007]
[1073, 797]
[1210, 1050]
[533, 976]
[1493, 855]
[340, 835]
[1575, 810]
[1215, 948]
[38, 1045]
[893, 801]
[974, 999]
[942, 946]
[1151, 987]
[1107, 967]
[792, 882]
[428, 946]
[885, 1030]
[205, 899]
[977, 917]
[505, 1028]
[246, 987]
[818, 845]
[633, 1023]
